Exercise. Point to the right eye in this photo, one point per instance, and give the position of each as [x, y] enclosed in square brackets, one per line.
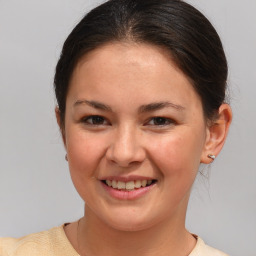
[95, 120]
[159, 122]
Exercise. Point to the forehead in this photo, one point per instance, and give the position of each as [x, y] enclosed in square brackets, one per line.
[128, 54]
[134, 70]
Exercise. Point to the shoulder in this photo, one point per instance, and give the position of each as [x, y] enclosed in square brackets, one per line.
[203, 249]
[51, 242]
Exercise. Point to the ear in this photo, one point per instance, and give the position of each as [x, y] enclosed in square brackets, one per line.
[62, 130]
[217, 133]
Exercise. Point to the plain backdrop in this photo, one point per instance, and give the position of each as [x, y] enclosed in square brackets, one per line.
[36, 192]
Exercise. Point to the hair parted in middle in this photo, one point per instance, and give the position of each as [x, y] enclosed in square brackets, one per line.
[185, 33]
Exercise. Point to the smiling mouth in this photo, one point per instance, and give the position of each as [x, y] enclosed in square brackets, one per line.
[130, 185]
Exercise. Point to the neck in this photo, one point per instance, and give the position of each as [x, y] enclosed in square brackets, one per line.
[97, 238]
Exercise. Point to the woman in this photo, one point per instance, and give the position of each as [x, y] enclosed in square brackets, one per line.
[140, 87]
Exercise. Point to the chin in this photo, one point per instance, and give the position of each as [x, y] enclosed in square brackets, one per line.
[129, 226]
[130, 222]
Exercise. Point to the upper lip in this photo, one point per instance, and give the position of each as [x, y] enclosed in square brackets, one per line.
[127, 178]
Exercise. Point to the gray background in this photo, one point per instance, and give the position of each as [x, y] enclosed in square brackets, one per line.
[35, 189]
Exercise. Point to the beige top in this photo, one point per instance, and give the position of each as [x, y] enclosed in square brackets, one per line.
[55, 243]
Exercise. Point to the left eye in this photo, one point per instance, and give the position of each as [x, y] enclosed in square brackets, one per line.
[160, 121]
[95, 120]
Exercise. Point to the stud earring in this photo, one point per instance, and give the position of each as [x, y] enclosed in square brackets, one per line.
[211, 157]
[66, 157]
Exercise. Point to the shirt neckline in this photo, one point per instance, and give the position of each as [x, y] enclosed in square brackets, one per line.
[70, 249]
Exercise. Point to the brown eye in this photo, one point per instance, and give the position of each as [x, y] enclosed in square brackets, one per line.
[95, 120]
[160, 121]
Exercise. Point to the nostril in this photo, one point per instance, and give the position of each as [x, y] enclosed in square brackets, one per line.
[124, 161]
[125, 148]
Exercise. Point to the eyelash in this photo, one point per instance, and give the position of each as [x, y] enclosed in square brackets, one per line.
[97, 120]
[93, 119]
[163, 121]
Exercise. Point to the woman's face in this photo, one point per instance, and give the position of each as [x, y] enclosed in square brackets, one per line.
[134, 135]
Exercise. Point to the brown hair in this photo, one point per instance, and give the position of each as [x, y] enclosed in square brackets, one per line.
[178, 27]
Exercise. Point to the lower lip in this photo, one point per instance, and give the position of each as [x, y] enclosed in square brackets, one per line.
[127, 195]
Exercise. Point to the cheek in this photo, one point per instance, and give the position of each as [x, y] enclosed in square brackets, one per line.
[85, 152]
[178, 155]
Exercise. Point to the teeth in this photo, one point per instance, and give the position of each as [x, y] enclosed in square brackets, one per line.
[130, 185]
[137, 184]
[144, 183]
[109, 182]
[120, 185]
[114, 184]
[149, 182]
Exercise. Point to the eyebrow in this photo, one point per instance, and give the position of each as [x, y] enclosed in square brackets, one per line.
[159, 105]
[142, 109]
[93, 104]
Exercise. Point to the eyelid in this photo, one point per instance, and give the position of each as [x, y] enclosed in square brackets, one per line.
[103, 121]
[86, 118]
[169, 121]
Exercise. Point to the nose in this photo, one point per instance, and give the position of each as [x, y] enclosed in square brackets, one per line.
[125, 149]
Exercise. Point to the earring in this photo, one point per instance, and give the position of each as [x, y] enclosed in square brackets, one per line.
[211, 157]
[66, 157]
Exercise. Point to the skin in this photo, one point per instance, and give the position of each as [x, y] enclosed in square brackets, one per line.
[126, 80]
